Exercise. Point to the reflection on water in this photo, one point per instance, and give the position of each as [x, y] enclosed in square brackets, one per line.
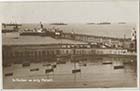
[93, 73]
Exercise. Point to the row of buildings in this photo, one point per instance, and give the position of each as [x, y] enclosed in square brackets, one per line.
[105, 41]
[51, 52]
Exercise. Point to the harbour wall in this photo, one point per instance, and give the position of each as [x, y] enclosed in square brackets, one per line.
[37, 53]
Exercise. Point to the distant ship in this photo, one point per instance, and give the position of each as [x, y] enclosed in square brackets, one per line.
[34, 32]
[90, 23]
[103, 23]
[10, 27]
[58, 24]
[122, 23]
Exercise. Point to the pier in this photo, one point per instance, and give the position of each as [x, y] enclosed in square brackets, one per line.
[69, 59]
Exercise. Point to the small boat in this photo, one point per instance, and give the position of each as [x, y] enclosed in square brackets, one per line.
[46, 64]
[119, 67]
[9, 74]
[25, 64]
[54, 66]
[49, 70]
[76, 70]
[107, 62]
[35, 69]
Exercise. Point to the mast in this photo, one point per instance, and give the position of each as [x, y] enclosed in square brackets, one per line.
[41, 25]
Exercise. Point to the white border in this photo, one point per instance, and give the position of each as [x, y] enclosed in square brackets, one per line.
[138, 56]
[1, 77]
[77, 89]
[67, 0]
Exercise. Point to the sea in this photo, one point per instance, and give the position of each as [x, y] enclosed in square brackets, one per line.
[108, 30]
[97, 73]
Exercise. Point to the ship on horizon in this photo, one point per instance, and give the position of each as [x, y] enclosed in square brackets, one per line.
[90, 23]
[58, 24]
[53, 32]
[104, 23]
[10, 27]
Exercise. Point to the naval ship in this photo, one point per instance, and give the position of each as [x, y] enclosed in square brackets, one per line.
[53, 32]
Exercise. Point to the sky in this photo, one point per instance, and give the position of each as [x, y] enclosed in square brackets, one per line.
[69, 12]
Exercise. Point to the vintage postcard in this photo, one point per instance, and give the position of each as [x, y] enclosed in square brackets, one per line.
[70, 44]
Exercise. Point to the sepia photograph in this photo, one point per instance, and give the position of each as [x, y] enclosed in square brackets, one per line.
[50, 44]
